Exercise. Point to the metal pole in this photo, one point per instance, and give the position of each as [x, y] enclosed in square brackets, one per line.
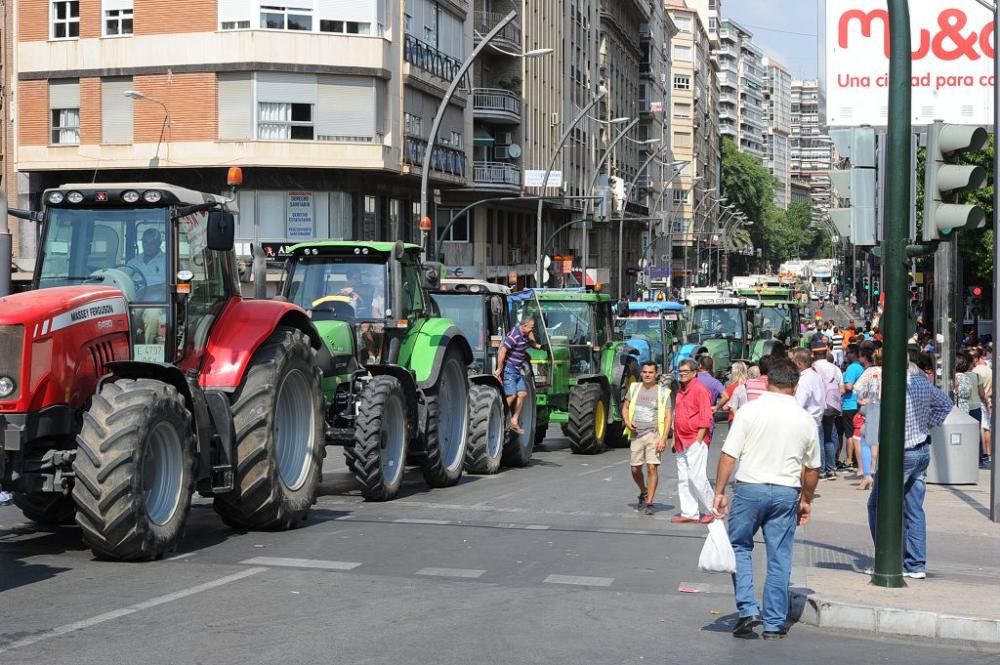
[889, 522]
[545, 182]
[436, 125]
[6, 248]
[995, 414]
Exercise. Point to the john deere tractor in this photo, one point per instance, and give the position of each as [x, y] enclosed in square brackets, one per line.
[723, 328]
[480, 309]
[777, 319]
[394, 371]
[583, 371]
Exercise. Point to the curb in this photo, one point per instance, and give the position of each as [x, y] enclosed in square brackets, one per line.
[814, 610]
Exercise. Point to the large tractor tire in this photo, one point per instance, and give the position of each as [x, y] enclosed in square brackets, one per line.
[615, 438]
[518, 447]
[447, 428]
[588, 417]
[377, 457]
[277, 413]
[486, 430]
[541, 425]
[47, 509]
[134, 470]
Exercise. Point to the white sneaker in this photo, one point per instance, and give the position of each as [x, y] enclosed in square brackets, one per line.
[918, 575]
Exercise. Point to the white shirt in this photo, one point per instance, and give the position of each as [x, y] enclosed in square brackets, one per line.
[772, 438]
[811, 394]
[153, 270]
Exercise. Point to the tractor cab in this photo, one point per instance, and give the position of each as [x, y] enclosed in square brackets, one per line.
[480, 311]
[724, 327]
[165, 248]
[653, 328]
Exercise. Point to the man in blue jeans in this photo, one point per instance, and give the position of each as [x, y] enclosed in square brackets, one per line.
[513, 354]
[926, 407]
[776, 443]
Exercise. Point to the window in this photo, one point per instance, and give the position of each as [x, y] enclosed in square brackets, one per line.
[236, 25]
[682, 139]
[682, 53]
[64, 112]
[413, 295]
[65, 19]
[682, 110]
[116, 111]
[285, 18]
[413, 125]
[680, 196]
[713, 24]
[683, 23]
[682, 82]
[345, 27]
[117, 15]
[459, 231]
[278, 120]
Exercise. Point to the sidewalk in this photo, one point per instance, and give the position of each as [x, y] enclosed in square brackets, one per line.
[960, 599]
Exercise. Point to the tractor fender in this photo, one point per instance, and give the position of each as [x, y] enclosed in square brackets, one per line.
[488, 380]
[600, 380]
[241, 329]
[405, 378]
[424, 350]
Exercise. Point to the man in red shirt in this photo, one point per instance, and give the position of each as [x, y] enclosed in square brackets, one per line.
[692, 434]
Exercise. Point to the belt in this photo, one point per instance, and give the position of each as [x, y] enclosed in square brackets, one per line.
[926, 442]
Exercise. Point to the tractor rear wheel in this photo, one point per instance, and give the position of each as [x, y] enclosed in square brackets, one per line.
[377, 457]
[47, 509]
[280, 443]
[134, 470]
[447, 429]
[518, 447]
[486, 430]
[588, 415]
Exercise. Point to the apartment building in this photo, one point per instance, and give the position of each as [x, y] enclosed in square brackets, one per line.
[778, 121]
[741, 82]
[710, 12]
[695, 131]
[810, 146]
[326, 104]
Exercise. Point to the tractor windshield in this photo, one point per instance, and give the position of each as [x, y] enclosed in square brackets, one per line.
[123, 247]
[343, 288]
[648, 330]
[467, 312]
[715, 322]
[775, 318]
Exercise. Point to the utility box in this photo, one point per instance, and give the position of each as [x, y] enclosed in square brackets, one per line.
[955, 451]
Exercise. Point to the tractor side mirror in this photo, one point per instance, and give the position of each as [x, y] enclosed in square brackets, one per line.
[430, 276]
[221, 230]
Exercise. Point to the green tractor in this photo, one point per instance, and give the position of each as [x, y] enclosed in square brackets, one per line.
[583, 371]
[777, 319]
[481, 311]
[394, 372]
[724, 329]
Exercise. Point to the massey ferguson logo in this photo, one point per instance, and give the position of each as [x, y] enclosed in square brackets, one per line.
[953, 39]
[90, 312]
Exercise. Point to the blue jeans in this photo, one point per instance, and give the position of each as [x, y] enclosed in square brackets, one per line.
[513, 381]
[915, 462]
[828, 443]
[773, 508]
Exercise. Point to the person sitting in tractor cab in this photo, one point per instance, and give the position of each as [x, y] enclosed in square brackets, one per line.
[366, 297]
[151, 264]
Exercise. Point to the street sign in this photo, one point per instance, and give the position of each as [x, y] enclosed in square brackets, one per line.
[534, 178]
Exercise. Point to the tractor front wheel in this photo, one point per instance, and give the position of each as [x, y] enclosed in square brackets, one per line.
[518, 447]
[486, 430]
[278, 417]
[47, 509]
[377, 456]
[447, 423]
[134, 470]
[588, 418]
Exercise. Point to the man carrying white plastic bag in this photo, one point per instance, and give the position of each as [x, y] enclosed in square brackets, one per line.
[776, 443]
[717, 554]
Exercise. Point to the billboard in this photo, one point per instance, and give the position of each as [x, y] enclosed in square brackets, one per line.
[952, 53]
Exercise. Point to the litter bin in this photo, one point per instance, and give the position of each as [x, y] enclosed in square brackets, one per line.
[955, 451]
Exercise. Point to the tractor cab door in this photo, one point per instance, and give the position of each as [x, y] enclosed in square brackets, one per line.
[496, 328]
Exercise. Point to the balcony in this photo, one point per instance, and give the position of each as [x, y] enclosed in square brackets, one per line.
[496, 175]
[496, 105]
[426, 57]
[444, 160]
[509, 37]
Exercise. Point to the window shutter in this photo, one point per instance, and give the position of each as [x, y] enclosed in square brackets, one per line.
[235, 105]
[109, 5]
[116, 111]
[363, 11]
[64, 94]
[235, 11]
[286, 88]
[346, 107]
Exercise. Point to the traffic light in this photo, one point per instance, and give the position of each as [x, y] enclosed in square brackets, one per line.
[876, 289]
[945, 179]
[866, 283]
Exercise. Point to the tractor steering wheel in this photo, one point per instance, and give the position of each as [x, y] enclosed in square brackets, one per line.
[130, 281]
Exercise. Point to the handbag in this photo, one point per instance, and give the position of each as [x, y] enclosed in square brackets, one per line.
[717, 555]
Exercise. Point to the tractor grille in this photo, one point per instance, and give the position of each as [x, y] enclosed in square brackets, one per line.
[102, 353]
[11, 349]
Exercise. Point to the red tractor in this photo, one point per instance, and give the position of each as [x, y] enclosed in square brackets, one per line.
[133, 374]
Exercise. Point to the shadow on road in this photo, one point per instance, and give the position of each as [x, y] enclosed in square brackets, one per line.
[21, 543]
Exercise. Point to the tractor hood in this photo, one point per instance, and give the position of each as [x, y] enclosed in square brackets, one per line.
[55, 343]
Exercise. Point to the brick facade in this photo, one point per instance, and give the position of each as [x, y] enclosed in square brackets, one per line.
[191, 99]
[157, 17]
[90, 111]
[33, 112]
[32, 20]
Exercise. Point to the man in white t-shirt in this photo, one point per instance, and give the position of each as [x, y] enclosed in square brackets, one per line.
[150, 262]
[777, 446]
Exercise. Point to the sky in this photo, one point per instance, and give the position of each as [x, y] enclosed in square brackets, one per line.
[784, 29]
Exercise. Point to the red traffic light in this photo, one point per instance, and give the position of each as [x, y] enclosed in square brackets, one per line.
[977, 291]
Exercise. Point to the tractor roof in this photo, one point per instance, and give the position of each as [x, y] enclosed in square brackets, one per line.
[475, 286]
[570, 295]
[181, 195]
[348, 246]
[726, 302]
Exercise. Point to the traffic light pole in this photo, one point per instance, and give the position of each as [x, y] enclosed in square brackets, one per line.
[945, 266]
[889, 519]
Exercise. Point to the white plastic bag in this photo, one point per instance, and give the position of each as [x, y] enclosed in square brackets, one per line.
[717, 554]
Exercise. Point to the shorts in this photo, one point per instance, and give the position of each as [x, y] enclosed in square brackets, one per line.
[513, 381]
[986, 422]
[848, 427]
[642, 450]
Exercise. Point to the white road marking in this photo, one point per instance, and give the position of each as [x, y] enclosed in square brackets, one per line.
[181, 556]
[578, 580]
[452, 572]
[131, 609]
[283, 562]
[602, 468]
[413, 520]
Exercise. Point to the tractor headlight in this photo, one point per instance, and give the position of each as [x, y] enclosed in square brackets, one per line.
[541, 374]
[6, 386]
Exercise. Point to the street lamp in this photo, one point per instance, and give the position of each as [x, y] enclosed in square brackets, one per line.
[602, 91]
[135, 94]
[426, 224]
[694, 228]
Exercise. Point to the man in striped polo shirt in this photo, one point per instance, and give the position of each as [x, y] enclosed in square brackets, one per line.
[513, 354]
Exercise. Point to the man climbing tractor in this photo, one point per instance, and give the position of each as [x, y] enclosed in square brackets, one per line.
[513, 355]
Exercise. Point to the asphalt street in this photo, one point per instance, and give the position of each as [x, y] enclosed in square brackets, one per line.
[547, 564]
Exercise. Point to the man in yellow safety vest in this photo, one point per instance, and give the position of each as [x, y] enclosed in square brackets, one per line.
[647, 418]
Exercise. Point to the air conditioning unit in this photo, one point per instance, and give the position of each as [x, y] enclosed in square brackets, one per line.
[501, 152]
[505, 138]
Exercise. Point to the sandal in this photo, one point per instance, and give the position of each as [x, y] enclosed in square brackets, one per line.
[516, 428]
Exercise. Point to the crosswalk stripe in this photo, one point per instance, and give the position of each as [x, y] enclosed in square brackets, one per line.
[452, 572]
[283, 562]
[579, 580]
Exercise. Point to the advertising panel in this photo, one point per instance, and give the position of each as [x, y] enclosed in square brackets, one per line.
[952, 53]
